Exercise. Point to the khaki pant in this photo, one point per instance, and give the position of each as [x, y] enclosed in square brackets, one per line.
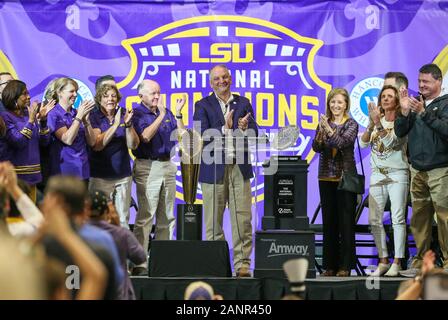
[156, 192]
[429, 195]
[236, 192]
[120, 191]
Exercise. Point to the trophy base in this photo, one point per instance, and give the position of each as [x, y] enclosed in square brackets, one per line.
[189, 222]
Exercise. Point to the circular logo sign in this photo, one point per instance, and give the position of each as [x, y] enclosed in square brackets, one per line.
[362, 94]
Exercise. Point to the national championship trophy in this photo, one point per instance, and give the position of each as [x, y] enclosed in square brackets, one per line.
[189, 215]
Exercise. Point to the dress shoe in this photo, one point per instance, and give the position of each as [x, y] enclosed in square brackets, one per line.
[139, 272]
[328, 273]
[243, 272]
[343, 273]
[380, 270]
[394, 270]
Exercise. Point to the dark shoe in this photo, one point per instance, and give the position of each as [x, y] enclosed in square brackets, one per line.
[343, 273]
[328, 273]
[243, 272]
[139, 272]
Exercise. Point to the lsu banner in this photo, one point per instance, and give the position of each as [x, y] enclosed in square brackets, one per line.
[284, 56]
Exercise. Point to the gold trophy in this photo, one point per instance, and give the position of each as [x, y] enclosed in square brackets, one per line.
[189, 215]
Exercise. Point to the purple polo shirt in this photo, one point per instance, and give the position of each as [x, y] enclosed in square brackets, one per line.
[160, 145]
[23, 140]
[64, 159]
[113, 162]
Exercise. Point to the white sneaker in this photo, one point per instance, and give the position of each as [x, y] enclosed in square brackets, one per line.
[380, 270]
[393, 270]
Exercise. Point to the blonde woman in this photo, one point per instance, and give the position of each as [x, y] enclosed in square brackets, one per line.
[70, 130]
[335, 139]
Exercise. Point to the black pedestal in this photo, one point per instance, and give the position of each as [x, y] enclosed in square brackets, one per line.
[274, 248]
[286, 206]
[189, 222]
[176, 258]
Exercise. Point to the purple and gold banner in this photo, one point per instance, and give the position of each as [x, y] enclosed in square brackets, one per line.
[284, 56]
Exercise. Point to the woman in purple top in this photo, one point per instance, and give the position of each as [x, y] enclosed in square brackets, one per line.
[26, 128]
[110, 169]
[71, 131]
[335, 139]
[4, 153]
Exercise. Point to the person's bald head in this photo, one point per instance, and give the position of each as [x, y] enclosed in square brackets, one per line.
[149, 93]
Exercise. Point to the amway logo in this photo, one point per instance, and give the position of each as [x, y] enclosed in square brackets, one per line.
[283, 250]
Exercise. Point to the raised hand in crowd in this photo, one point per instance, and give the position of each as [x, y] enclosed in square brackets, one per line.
[44, 109]
[404, 102]
[243, 123]
[374, 113]
[325, 126]
[84, 109]
[229, 120]
[33, 110]
[161, 106]
[8, 179]
[428, 262]
[128, 116]
[117, 117]
[180, 103]
[417, 105]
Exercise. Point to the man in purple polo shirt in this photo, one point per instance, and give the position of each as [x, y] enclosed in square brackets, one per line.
[154, 173]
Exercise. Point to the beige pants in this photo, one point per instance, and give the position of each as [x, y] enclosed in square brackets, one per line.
[156, 192]
[429, 195]
[236, 192]
[120, 191]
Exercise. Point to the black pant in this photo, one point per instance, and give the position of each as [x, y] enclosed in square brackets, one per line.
[338, 219]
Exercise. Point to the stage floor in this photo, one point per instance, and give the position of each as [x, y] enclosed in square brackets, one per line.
[321, 288]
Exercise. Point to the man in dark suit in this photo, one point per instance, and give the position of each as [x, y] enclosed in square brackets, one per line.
[227, 119]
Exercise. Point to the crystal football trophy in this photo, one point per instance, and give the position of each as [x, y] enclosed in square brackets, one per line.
[189, 215]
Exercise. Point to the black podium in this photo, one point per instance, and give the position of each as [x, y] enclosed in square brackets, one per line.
[286, 208]
[285, 223]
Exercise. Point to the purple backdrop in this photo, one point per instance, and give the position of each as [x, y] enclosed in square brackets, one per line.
[285, 56]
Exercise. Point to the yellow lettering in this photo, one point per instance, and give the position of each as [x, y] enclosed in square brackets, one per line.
[196, 97]
[131, 100]
[195, 55]
[223, 52]
[313, 113]
[261, 120]
[236, 53]
[221, 49]
[286, 110]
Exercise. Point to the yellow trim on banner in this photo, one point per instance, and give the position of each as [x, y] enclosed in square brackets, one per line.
[442, 60]
[246, 32]
[6, 65]
[197, 32]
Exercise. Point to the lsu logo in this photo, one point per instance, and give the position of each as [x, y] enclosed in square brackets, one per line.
[362, 94]
[270, 65]
[224, 53]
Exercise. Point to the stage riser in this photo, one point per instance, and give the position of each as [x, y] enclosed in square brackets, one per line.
[265, 289]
